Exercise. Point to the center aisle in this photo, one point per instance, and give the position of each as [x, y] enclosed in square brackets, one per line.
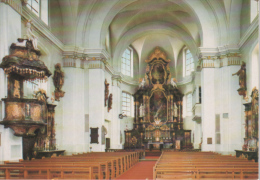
[142, 170]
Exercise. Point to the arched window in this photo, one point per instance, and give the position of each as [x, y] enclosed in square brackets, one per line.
[126, 62]
[253, 9]
[127, 103]
[39, 8]
[189, 63]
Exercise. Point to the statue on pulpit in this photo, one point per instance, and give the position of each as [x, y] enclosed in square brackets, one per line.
[30, 36]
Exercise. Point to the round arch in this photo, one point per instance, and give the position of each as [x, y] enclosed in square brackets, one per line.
[148, 29]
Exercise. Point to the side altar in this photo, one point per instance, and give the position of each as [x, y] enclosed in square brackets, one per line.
[158, 121]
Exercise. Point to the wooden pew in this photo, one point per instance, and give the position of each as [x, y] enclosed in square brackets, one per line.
[203, 165]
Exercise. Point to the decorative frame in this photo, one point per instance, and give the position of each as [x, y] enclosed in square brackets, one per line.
[94, 135]
[150, 103]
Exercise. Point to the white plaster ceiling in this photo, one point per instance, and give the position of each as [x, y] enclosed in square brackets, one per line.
[171, 24]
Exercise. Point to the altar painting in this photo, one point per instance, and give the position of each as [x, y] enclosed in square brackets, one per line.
[158, 106]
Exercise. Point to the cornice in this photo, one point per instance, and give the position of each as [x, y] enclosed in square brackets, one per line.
[16, 5]
[253, 26]
[186, 80]
[218, 51]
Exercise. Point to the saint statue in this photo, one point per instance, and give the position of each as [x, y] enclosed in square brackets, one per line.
[30, 35]
[173, 82]
[141, 110]
[142, 83]
[175, 114]
[242, 76]
[58, 78]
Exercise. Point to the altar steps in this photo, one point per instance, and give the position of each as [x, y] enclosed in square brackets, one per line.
[153, 153]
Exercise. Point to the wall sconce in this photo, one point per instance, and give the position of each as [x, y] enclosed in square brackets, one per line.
[122, 115]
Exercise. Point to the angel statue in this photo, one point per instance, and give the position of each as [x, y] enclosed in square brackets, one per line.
[30, 35]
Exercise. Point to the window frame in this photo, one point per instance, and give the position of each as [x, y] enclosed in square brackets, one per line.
[129, 102]
[130, 74]
[185, 73]
[39, 14]
[254, 10]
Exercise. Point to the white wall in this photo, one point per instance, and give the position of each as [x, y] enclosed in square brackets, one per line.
[10, 30]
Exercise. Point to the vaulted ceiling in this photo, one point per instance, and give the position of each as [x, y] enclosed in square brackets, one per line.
[145, 24]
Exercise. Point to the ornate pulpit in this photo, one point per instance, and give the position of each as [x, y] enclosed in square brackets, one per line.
[158, 104]
[33, 119]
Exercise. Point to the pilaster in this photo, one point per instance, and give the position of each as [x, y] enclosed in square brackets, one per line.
[73, 126]
[96, 80]
[115, 126]
[220, 100]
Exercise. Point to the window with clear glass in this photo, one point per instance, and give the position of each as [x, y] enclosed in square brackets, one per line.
[39, 8]
[126, 103]
[31, 86]
[189, 63]
[253, 9]
[126, 63]
[189, 104]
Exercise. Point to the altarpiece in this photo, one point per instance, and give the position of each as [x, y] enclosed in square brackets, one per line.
[158, 104]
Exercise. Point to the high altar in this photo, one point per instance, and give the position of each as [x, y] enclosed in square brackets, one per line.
[158, 121]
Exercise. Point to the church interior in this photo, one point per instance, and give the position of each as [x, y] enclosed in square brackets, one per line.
[129, 89]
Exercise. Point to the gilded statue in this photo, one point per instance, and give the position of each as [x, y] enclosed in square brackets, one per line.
[106, 91]
[16, 93]
[242, 76]
[110, 98]
[58, 81]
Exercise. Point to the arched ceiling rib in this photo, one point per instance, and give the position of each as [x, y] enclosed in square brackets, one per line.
[192, 23]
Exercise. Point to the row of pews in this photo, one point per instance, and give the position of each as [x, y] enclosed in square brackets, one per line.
[94, 165]
[203, 165]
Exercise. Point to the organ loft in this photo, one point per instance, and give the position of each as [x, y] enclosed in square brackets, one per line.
[158, 104]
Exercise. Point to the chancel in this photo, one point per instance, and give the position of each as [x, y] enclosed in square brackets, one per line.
[121, 89]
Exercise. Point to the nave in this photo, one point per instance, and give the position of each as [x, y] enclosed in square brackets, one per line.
[133, 165]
